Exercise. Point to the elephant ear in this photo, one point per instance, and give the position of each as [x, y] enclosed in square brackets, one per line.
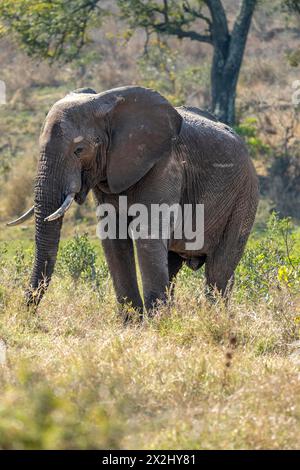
[143, 126]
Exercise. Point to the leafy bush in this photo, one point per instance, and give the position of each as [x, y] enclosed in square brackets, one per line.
[248, 129]
[48, 29]
[294, 58]
[22, 265]
[3, 251]
[41, 416]
[269, 262]
[78, 259]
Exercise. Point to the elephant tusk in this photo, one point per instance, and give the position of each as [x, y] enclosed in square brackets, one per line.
[27, 215]
[62, 210]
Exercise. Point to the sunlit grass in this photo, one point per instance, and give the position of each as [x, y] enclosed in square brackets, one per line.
[76, 377]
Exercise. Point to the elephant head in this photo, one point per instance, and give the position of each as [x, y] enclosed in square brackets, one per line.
[113, 138]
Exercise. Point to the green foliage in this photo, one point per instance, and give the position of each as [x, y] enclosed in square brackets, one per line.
[294, 58]
[269, 262]
[40, 417]
[248, 129]
[150, 14]
[2, 296]
[292, 5]
[57, 29]
[3, 252]
[78, 258]
[5, 160]
[50, 29]
[22, 262]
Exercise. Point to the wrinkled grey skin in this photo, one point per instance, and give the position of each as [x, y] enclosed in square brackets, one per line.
[136, 144]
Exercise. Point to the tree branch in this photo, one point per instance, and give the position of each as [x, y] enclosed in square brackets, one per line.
[91, 4]
[188, 9]
[165, 10]
[175, 30]
[220, 32]
[243, 21]
[240, 32]
[173, 18]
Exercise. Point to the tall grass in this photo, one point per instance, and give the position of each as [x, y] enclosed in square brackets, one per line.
[76, 377]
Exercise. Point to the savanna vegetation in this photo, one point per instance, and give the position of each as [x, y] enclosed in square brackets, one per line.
[196, 376]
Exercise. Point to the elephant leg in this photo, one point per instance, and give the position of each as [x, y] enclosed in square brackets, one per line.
[153, 262]
[175, 262]
[121, 262]
[221, 264]
[218, 281]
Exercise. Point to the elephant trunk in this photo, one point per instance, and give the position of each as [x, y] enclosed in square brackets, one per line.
[49, 195]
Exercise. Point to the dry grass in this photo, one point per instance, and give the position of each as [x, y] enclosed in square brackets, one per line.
[76, 377]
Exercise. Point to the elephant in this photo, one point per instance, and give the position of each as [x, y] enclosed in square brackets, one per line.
[130, 141]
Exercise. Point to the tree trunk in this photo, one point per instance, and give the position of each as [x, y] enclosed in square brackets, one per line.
[228, 55]
[223, 88]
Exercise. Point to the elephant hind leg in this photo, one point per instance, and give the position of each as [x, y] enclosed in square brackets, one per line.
[175, 263]
[222, 262]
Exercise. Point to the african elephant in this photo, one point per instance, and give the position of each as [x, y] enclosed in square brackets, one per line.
[131, 141]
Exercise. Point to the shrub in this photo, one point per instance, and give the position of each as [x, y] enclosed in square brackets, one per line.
[248, 129]
[3, 252]
[43, 415]
[22, 265]
[269, 262]
[78, 259]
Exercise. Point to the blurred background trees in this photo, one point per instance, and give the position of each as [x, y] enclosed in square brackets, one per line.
[236, 58]
[202, 21]
[293, 7]
[50, 29]
[58, 30]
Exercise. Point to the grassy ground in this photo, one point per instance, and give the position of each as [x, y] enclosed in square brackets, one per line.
[196, 376]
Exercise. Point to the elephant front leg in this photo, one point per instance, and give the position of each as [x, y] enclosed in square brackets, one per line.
[153, 263]
[119, 255]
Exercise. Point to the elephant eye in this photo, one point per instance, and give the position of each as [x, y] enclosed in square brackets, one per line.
[78, 151]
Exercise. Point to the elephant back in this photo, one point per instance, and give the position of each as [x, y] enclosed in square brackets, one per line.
[199, 112]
